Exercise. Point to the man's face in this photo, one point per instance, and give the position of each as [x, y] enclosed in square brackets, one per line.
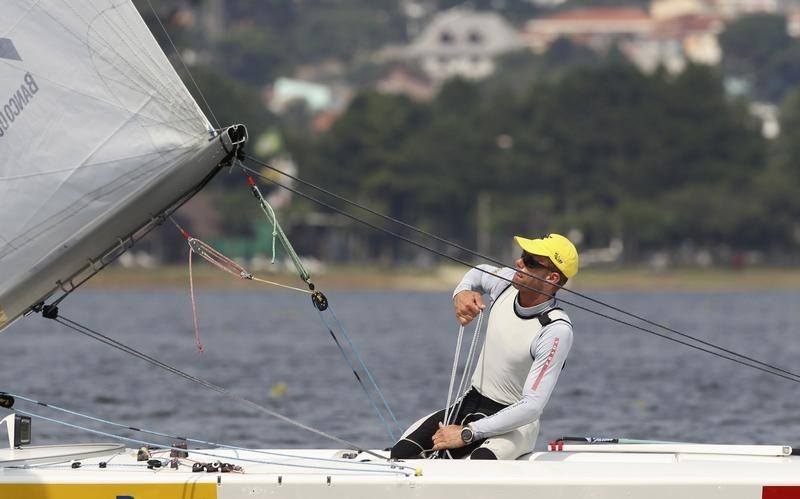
[535, 266]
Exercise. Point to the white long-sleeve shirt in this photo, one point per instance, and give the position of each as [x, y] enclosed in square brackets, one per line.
[549, 352]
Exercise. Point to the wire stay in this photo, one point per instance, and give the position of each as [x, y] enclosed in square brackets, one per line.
[687, 340]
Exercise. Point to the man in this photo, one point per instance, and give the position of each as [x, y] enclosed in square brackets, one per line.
[527, 342]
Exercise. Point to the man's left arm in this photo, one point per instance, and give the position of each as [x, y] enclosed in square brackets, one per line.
[550, 352]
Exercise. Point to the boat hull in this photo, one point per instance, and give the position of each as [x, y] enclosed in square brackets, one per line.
[297, 474]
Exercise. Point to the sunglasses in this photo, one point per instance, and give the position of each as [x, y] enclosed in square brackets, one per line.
[532, 263]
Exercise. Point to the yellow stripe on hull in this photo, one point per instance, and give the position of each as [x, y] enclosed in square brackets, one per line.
[109, 491]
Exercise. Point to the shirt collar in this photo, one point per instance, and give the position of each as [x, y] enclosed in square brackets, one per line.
[534, 310]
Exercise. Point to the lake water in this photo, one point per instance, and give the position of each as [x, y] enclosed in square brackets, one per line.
[619, 382]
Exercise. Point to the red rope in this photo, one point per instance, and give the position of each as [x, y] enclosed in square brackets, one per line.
[194, 305]
[223, 263]
[217, 259]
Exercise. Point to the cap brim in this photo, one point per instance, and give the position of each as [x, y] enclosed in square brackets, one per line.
[534, 246]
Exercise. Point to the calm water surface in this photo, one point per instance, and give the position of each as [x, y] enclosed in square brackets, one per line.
[618, 381]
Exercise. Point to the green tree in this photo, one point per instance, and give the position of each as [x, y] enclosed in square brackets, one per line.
[227, 101]
[779, 74]
[344, 29]
[749, 41]
[612, 141]
[367, 146]
[757, 48]
[653, 158]
[777, 187]
[255, 56]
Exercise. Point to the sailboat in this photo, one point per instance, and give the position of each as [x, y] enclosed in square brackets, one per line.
[100, 141]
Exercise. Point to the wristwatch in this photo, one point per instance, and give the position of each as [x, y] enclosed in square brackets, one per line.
[467, 435]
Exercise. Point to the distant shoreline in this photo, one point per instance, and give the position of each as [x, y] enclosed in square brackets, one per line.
[445, 278]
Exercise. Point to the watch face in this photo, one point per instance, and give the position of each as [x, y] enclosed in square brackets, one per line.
[467, 435]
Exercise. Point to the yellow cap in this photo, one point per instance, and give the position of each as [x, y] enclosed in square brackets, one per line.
[557, 248]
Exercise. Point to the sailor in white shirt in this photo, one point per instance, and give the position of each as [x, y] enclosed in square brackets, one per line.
[527, 341]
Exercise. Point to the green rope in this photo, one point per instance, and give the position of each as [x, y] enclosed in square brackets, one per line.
[277, 232]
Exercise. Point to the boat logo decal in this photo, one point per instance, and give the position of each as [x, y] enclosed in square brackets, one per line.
[8, 50]
[11, 109]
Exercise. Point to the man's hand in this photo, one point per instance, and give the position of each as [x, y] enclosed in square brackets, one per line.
[448, 437]
[468, 304]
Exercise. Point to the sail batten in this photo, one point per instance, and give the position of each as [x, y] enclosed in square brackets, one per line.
[93, 120]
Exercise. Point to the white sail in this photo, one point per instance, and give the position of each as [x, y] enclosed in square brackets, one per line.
[85, 136]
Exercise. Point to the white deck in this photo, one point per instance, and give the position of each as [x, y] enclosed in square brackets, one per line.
[654, 475]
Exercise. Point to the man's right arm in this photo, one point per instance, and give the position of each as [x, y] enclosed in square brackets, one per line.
[485, 279]
[467, 299]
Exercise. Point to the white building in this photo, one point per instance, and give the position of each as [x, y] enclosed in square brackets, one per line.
[670, 36]
[666, 9]
[734, 8]
[286, 91]
[675, 41]
[595, 27]
[463, 43]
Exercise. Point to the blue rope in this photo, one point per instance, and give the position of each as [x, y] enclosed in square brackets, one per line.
[393, 468]
[369, 374]
[193, 440]
[358, 378]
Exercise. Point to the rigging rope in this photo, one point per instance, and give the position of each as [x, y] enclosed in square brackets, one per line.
[193, 440]
[366, 370]
[497, 262]
[321, 303]
[277, 233]
[183, 63]
[711, 349]
[200, 381]
[199, 343]
[387, 468]
[469, 364]
[458, 394]
[317, 298]
[456, 357]
[114, 253]
[221, 262]
[229, 266]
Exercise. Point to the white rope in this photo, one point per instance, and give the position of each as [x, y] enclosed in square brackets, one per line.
[459, 393]
[447, 412]
[469, 364]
